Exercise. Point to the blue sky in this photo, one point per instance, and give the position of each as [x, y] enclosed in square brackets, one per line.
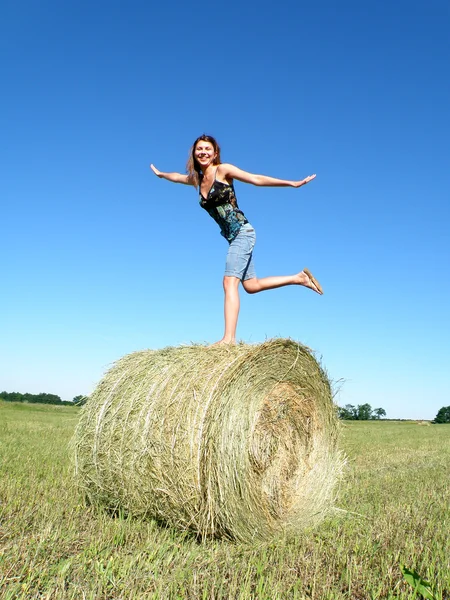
[100, 258]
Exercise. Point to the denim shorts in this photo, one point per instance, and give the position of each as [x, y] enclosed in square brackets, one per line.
[240, 254]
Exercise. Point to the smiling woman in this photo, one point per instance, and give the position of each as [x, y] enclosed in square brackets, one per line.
[214, 181]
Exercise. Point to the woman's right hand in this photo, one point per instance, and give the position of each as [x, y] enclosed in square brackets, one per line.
[155, 171]
[173, 177]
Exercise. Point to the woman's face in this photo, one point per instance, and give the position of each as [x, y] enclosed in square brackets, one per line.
[204, 154]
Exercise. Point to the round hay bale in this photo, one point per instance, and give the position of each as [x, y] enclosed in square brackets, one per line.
[236, 441]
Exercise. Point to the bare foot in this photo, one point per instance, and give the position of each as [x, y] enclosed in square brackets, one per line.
[225, 342]
[307, 279]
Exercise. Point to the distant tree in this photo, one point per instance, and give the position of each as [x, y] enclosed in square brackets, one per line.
[377, 413]
[364, 412]
[443, 415]
[80, 400]
[347, 413]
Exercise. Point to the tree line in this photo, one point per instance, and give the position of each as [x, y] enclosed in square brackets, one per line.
[40, 398]
[362, 412]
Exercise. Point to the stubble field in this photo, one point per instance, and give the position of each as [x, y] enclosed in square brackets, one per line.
[393, 510]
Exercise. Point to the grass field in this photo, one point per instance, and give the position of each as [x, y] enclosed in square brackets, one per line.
[393, 511]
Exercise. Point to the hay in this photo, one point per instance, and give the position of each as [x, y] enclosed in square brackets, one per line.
[236, 441]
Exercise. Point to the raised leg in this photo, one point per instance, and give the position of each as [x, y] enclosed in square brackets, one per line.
[304, 278]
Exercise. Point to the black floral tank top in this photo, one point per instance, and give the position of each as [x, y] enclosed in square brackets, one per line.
[221, 205]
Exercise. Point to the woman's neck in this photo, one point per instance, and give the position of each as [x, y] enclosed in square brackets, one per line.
[210, 170]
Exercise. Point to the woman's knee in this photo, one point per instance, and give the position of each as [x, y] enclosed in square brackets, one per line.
[251, 286]
[230, 283]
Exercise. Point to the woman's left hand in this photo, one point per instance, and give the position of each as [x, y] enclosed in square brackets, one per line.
[304, 181]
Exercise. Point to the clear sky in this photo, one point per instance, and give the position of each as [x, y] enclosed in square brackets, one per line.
[100, 258]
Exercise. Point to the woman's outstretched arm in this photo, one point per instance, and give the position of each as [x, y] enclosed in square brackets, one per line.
[174, 177]
[231, 172]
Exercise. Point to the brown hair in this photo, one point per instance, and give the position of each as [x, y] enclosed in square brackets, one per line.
[193, 169]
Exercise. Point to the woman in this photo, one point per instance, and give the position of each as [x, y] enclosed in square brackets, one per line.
[214, 180]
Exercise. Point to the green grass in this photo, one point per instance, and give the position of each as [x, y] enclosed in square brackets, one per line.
[394, 511]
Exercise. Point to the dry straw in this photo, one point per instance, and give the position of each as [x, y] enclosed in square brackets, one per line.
[235, 441]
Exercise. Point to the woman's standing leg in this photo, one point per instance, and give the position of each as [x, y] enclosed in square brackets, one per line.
[237, 263]
[231, 309]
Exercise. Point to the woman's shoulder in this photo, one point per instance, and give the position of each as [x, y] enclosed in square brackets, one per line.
[224, 171]
[224, 167]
